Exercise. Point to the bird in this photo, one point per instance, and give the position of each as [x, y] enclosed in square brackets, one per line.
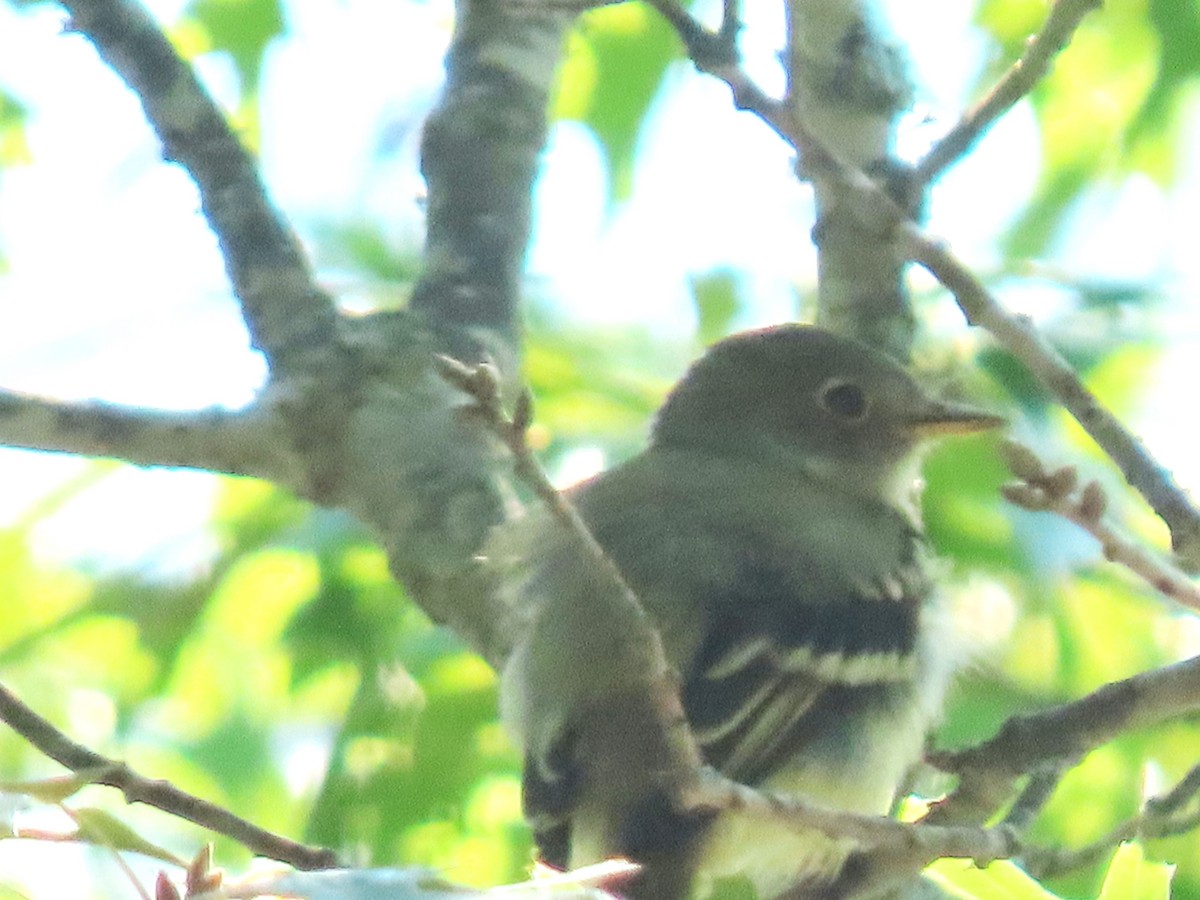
[771, 531]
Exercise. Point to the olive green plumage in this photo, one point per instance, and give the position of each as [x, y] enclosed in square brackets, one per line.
[770, 530]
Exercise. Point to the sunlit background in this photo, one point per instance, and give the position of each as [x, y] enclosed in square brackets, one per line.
[226, 637]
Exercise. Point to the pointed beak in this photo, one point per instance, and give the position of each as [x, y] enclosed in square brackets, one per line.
[942, 418]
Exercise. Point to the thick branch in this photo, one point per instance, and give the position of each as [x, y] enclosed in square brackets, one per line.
[287, 314]
[848, 84]
[621, 624]
[1021, 78]
[238, 443]
[479, 157]
[159, 794]
[988, 772]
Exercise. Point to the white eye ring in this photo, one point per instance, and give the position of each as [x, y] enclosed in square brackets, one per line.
[844, 399]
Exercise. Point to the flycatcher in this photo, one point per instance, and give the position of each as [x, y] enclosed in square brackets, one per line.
[771, 531]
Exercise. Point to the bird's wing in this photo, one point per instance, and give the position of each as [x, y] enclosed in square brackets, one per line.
[775, 672]
[769, 597]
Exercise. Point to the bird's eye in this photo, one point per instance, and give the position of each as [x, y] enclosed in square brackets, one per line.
[844, 399]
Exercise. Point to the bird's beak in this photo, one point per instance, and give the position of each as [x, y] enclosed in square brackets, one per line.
[941, 418]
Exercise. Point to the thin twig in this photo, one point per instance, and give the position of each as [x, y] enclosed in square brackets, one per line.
[885, 851]
[1021, 78]
[715, 53]
[1045, 862]
[1036, 794]
[125, 868]
[159, 794]
[482, 383]
[988, 772]
[1159, 818]
[1058, 491]
[288, 316]
[1022, 339]
[868, 831]
[1184, 792]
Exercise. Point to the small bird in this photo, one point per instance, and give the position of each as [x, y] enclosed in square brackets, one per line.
[771, 531]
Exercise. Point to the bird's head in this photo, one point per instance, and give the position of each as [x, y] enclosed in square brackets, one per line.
[807, 399]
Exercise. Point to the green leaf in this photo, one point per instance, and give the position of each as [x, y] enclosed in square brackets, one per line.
[717, 302]
[99, 827]
[52, 790]
[1132, 877]
[242, 28]
[14, 148]
[614, 65]
[1001, 880]
[1176, 24]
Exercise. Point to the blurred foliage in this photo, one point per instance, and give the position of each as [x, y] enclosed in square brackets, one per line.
[291, 652]
[242, 30]
[615, 61]
[14, 149]
[289, 678]
[1113, 104]
[999, 881]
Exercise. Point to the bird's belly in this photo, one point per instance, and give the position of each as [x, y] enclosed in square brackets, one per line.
[861, 755]
[854, 765]
[774, 860]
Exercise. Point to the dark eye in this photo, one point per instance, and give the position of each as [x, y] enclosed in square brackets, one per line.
[844, 399]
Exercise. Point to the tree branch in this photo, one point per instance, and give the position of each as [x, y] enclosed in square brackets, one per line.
[237, 443]
[159, 794]
[372, 427]
[1056, 491]
[479, 155]
[1159, 818]
[846, 86]
[715, 54]
[430, 486]
[619, 609]
[1042, 783]
[289, 317]
[885, 851]
[652, 753]
[1021, 78]
[1022, 340]
[848, 83]
[482, 384]
[988, 772]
